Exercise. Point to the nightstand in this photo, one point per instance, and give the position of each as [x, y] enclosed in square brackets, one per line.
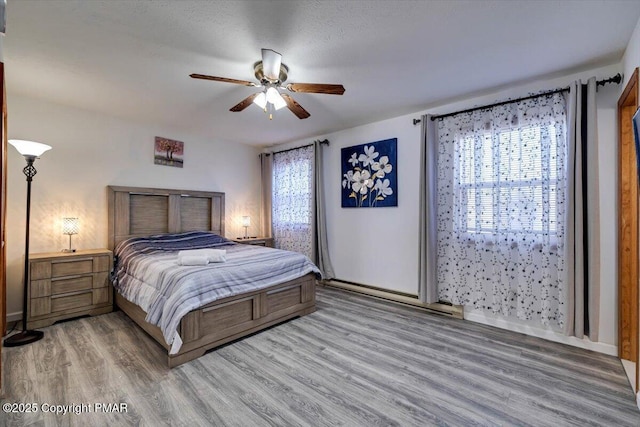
[65, 285]
[258, 241]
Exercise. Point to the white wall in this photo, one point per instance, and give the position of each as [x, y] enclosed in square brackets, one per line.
[631, 58]
[379, 247]
[376, 247]
[91, 151]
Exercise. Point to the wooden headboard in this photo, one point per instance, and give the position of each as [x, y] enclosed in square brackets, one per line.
[135, 212]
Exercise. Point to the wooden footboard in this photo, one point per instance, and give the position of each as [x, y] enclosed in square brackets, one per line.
[231, 318]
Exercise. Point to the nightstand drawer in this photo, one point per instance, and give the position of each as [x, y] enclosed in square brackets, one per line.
[71, 284]
[66, 302]
[69, 268]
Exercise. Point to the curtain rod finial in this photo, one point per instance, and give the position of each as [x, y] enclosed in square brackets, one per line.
[617, 79]
[416, 121]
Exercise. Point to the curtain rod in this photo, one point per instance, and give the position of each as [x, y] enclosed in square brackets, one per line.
[615, 79]
[323, 142]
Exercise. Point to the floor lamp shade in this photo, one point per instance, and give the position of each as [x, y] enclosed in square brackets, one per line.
[31, 151]
[29, 148]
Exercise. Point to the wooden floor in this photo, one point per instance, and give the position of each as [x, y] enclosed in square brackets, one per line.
[357, 361]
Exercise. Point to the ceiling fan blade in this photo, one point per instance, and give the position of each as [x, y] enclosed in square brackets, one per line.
[222, 79]
[295, 107]
[244, 103]
[271, 61]
[316, 88]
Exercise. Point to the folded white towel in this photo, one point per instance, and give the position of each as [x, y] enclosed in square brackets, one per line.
[193, 260]
[213, 255]
[219, 256]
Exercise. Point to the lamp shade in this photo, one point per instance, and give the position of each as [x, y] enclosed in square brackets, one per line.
[279, 102]
[274, 97]
[260, 100]
[29, 148]
[246, 221]
[272, 94]
[70, 226]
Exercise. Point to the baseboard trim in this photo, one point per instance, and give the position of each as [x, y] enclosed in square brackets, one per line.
[14, 317]
[546, 334]
[402, 298]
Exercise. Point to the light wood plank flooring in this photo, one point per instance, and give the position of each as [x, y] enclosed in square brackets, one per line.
[357, 361]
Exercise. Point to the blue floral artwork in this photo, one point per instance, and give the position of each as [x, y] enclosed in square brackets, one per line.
[369, 175]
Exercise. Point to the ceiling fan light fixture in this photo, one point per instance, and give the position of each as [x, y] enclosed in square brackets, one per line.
[280, 103]
[274, 97]
[272, 94]
[261, 100]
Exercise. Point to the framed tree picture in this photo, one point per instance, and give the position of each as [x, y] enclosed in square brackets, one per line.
[370, 175]
[168, 152]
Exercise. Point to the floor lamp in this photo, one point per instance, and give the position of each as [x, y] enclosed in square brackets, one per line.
[31, 151]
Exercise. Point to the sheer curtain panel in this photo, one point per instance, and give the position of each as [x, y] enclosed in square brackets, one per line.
[292, 200]
[501, 207]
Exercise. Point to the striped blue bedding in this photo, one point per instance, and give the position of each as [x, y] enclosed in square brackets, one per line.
[147, 273]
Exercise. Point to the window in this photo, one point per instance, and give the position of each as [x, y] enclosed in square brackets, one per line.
[508, 181]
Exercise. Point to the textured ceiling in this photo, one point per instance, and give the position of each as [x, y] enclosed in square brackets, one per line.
[132, 59]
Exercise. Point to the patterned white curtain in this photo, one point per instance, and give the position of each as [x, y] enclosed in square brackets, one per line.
[502, 201]
[292, 207]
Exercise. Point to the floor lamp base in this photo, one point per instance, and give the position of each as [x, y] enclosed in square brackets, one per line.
[23, 338]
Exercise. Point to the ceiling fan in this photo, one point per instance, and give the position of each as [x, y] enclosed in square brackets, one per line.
[271, 74]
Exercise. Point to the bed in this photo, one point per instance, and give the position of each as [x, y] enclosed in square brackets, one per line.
[135, 214]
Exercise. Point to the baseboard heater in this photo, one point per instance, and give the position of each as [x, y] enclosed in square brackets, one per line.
[395, 296]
